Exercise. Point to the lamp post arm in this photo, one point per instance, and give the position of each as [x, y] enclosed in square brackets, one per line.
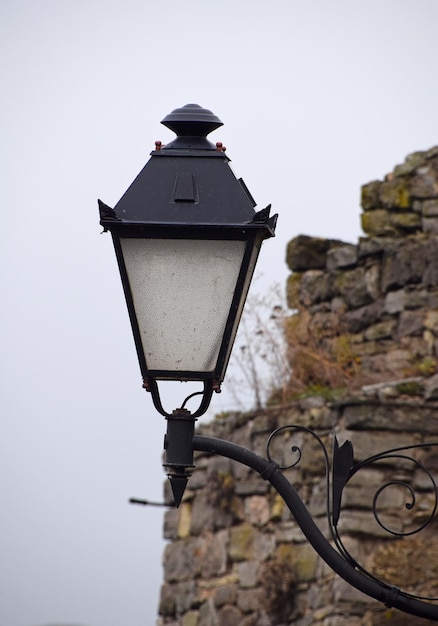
[390, 596]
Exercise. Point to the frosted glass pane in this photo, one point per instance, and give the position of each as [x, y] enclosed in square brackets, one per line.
[182, 291]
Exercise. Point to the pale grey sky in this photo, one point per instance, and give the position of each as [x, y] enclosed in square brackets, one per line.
[317, 98]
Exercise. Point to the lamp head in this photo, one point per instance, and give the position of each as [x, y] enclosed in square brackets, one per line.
[187, 238]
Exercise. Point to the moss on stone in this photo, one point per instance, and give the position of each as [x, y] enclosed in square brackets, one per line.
[293, 290]
[190, 619]
[406, 221]
[322, 391]
[343, 349]
[410, 388]
[377, 223]
[300, 558]
[395, 194]
[241, 542]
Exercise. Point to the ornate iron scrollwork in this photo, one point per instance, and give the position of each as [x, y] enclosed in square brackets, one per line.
[343, 469]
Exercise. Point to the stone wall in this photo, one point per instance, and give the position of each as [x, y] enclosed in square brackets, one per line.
[371, 309]
[363, 344]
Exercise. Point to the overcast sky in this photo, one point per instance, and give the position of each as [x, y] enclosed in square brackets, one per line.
[317, 98]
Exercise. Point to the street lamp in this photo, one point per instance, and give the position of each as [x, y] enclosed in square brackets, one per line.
[187, 238]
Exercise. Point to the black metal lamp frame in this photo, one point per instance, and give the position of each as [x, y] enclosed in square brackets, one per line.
[187, 191]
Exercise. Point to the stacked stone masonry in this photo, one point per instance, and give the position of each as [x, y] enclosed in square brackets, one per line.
[363, 335]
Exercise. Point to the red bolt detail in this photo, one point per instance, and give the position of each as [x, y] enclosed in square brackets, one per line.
[158, 145]
[216, 386]
[219, 146]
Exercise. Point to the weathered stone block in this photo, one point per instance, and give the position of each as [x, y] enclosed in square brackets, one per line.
[252, 486]
[338, 305]
[374, 246]
[376, 442]
[320, 418]
[386, 223]
[408, 221]
[208, 614]
[257, 510]
[381, 330]
[421, 298]
[301, 558]
[357, 320]
[315, 286]
[167, 606]
[248, 573]
[305, 253]
[249, 600]
[378, 223]
[344, 256]
[410, 386]
[372, 281]
[397, 361]
[264, 545]
[404, 265]
[225, 594]
[372, 416]
[170, 528]
[214, 556]
[210, 511]
[410, 323]
[431, 388]
[429, 208]
[181, 559]
[431, 321]
[424, 186]
[229, 616]
[262, 424]
[242, 539]
[186, 596]
[352, 286]
[395, 193]
[319, 596]
[370, 195]
[191, 619]
[395, 301]
[430, 225]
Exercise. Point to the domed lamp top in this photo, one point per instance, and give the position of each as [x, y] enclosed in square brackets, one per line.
[192, 120]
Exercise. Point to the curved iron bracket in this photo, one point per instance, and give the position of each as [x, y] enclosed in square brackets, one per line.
[151, 385]
[343, 469]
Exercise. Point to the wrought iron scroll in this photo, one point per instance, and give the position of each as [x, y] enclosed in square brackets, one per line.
[343, 469]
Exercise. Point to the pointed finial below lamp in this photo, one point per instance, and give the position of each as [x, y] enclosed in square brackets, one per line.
[178, 483]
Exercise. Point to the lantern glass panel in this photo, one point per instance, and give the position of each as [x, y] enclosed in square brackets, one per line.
[182, 291]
